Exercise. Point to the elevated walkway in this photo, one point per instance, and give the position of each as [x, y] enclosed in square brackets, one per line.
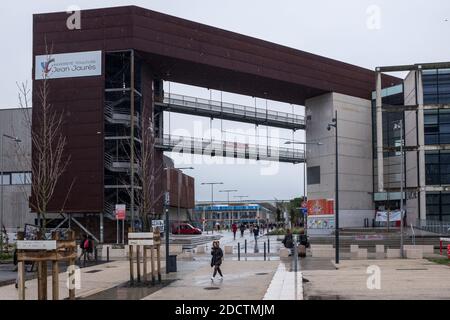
[229, 111]
[209, 147]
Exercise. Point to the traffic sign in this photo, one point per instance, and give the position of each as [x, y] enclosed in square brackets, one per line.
[158, 224]
[167, 198]
[120, 211]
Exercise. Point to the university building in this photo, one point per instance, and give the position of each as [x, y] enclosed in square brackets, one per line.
[112, 101]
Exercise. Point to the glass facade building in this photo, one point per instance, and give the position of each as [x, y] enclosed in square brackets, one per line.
[436, 89]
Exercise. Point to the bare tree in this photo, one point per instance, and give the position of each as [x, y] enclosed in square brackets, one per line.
[144, 192]
[49, 160]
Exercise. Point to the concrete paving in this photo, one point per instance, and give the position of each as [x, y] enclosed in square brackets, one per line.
[285, 285]
[93, 280]
[399, 279]
[247, 280]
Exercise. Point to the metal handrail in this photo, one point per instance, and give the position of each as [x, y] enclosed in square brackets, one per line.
[200, 145]
[221, 107]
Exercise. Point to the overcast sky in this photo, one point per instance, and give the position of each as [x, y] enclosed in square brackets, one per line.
[364, 33]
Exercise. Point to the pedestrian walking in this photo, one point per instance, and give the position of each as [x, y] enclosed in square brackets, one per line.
[216, 259]
[256, 232]
[90, 248]
[242, 228]
[234, 229]
[83, 247]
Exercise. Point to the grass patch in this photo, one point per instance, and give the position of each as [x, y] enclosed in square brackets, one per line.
[444, 261]
[282, 232]
[6, 256]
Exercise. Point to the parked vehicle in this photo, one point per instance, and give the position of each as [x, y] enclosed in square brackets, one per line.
[185, 228]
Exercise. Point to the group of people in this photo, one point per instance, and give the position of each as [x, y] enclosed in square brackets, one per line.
[254, 230]
[289, 243]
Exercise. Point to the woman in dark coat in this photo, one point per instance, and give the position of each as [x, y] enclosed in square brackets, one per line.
[288, 241]
[216, 259]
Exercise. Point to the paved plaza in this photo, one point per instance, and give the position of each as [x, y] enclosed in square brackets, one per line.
[252, 278]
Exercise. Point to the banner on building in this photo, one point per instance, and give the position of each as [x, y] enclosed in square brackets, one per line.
[320, 207]
[382, 216]
[321, 222]
[68, 65]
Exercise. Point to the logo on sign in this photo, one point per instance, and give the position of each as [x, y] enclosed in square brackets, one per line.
[46, 66]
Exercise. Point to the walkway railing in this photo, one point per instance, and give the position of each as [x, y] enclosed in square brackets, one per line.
[435, 226]
[213, 147]
[231, 111]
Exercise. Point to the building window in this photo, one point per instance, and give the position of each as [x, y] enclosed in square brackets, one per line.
[16, 178]
[438, 206]
[437, 167]
[313, 175]
[437, 126]
[436, 86]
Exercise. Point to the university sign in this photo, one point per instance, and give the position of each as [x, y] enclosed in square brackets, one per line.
[68, 65]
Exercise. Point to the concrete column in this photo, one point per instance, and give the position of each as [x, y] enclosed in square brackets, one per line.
[421, 146]
[379, 112]
[101, 228]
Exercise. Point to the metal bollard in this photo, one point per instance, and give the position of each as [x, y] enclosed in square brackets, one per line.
[295, 254]
[268, 245]
[245, 246]
[96, 254]
[239, 251]
[264, 251]
[107, 254]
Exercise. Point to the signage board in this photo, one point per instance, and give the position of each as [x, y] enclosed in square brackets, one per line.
[321, 222]
[140, 242]
[36, 245]
[167, 198]
[120, 212]
[369, 237]
[140, 235]
[320, 207]
[68, 65]
[158, 224]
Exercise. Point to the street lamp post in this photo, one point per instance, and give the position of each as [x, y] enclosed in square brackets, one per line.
[399, 126]
[212, 184]
[334, 124]
[240, 198]
[2, 182]
[228, 201]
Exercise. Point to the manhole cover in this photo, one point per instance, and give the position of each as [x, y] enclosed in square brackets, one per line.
[261, 273]
[211, 288]
[93, 271]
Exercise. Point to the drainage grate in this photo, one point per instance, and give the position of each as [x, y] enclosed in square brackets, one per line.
[211, 288]
[262, 274]
[93, 271]
[412, 269]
